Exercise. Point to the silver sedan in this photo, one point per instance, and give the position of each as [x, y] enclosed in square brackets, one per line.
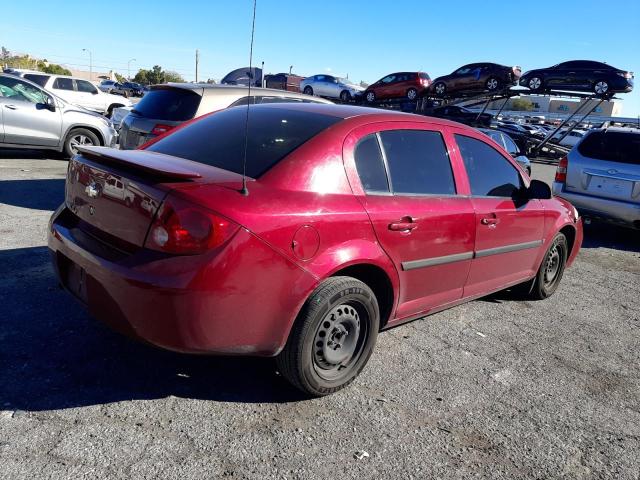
[330, 87]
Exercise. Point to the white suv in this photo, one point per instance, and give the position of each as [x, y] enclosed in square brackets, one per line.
[79, 92]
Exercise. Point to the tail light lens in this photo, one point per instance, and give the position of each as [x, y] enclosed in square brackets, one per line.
[161, 128]
[561, 172]
[183, 228]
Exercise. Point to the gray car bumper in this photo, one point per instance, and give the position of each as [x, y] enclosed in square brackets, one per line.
[589, 205]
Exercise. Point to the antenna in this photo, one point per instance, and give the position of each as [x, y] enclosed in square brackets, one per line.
[245, 191]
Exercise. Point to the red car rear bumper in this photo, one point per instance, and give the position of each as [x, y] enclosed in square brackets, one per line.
[240, 299]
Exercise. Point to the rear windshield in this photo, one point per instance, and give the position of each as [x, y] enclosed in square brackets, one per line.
[173, 104]
[39, 79]
[623, 147]
[424, 76]
[218, 139]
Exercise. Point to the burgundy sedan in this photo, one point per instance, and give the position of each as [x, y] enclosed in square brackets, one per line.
[356, 220]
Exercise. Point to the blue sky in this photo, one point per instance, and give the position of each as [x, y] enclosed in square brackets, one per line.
[362, 39]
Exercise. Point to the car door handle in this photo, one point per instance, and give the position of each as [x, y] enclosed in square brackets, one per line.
[406, 224]
[11, 107]
[491, 221]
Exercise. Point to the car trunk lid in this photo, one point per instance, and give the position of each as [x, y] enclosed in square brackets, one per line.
[118, 192]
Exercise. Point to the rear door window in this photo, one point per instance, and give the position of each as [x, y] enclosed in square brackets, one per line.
[370, 165]
[490, 174]
[173, 104]
[39, 79]
[63, 84]
[219, 140]
[418, 162]
[622, 147]
[86, 87]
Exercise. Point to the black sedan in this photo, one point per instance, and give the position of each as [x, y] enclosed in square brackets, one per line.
[579, 76]
[461, 115]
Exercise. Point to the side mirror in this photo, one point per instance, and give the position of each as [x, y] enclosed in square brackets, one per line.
[50, 103]
[539, 189]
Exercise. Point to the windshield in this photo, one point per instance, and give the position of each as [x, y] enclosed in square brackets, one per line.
[218, 140]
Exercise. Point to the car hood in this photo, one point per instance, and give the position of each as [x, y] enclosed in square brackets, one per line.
[353, 87]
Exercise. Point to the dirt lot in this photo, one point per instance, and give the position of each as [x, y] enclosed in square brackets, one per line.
[494, 388]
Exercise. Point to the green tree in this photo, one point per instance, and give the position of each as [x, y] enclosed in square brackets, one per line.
[119, 78]
[52, 68]
[156, 75]
[522, 105]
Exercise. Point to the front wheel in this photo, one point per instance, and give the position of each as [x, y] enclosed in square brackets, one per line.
[345, 96]
[371, 97]
[79, 137]
[492, 84]
[535, 84]
[551, 270]
[440, 89]
[412, 94]
[332, 338]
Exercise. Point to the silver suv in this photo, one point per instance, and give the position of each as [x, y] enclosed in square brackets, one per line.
[166, 106]
[30, 117]
[601, 176]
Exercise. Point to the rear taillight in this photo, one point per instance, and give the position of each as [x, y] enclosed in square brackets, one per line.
[425, 82]
[561, 171]
[160, 129]
[185, 229]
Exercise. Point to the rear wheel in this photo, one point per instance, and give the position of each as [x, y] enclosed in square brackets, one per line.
[492, 84]
[345, 96]
[79, 137]
[308, 90]
[440, 89]
[551, 270]
[371, 97]
[332, 338]
[412, 94]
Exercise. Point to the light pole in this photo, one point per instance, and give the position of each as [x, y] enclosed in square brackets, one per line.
[128, 67]
[90, 63]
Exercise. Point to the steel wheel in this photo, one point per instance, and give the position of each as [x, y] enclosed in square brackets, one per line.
[601, 87]
[440, 88]
[338, 341]
[412, 94]
[492, 84]
[535, 83]
[546, 281]
[552, 265]
[78, 140]
[371, 97]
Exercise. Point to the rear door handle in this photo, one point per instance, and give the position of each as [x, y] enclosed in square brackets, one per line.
[11, 107]
[406, 224]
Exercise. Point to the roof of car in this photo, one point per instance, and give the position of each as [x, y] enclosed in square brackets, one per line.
[353, 111]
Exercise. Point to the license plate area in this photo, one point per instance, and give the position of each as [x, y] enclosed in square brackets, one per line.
[73, 278]
[610, 187]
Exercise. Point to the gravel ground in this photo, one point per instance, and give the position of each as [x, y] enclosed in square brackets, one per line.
[495, 388]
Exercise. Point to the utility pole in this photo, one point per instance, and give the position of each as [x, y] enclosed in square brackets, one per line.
[197, 60]
[129, 68]
[90, 63]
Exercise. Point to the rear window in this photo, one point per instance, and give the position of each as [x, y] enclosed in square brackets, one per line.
[218, 140]
[173, 104]
[424, 76]
[622, 147]
[39, 79]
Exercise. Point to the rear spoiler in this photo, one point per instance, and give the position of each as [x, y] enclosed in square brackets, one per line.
[154, 163]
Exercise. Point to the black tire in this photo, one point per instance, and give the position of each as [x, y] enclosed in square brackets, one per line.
[310, 360]
[345, 96]
[74, 135]
[412, 94]
[440, 89]
[551, 270]
[535, 84]
[308, 90]
[492, 84]
[370, 97]
[601, 87]
[125, 94]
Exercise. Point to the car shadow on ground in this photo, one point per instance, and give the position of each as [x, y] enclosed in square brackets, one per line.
[55, 356]
[604, 235]
[39, 194]
[14, 153]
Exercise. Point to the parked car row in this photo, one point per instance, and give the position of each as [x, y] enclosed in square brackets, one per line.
[127, 89]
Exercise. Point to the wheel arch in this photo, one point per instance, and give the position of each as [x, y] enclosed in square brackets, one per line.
[91, 128]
